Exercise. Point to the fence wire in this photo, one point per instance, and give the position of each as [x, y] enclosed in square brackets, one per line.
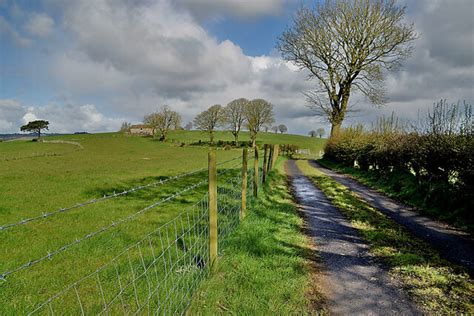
[159, 274]
[107, 197]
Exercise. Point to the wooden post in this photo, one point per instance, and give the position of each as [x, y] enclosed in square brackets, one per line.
[270, 158]
[212, 207]
[276, 153]
[255, 173]
[243, 208]
[264, 169]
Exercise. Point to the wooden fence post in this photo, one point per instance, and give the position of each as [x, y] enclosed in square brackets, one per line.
[255, 173]
[276, 153]
[264, 169]
[212, 207]
[243, 208]
[270, 158]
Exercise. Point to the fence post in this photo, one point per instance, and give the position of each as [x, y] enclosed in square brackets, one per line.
[270, 157]
[276, 153]
[264, 169]
[212, 207]
[243, 208]
[255, 172]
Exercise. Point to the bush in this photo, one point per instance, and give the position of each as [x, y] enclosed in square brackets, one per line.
[438, 155]
[227, 147]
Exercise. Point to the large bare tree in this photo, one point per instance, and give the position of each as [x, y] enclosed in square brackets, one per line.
[163, 121]
[234, 116]
[258, 114]
[209, 120]
[344, 45]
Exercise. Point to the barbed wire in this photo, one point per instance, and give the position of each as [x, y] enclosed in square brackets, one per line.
[113, 261]
[106, 197]
[114, 224]
[171, 262]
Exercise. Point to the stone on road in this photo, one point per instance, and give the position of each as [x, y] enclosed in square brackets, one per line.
[353, 283]
[454, 245]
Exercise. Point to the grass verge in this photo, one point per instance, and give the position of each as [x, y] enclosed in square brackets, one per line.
[405, 188]
[433, 283]
[266, 266]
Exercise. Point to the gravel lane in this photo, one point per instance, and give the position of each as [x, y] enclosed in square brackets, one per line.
[354, 283]
[454, 245]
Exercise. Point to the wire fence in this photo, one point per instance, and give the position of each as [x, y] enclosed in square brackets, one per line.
[115, 194]
[158, 274]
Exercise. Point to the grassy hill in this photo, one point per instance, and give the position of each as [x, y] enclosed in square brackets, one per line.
[40, 177]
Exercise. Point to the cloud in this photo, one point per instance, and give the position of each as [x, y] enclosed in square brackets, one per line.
[239, 8]
[62, 118]
[8, 31]
[39, 24]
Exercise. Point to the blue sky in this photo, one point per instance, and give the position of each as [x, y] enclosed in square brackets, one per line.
[91, 65]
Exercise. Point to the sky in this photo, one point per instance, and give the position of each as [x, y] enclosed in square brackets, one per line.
[88, 65]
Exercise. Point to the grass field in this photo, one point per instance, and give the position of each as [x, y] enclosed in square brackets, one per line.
[437, 286]
[105, 163]
[266, 269]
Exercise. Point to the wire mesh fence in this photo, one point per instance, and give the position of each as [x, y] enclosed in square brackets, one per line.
[158, 274]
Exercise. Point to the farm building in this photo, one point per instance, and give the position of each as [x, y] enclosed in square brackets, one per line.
[141, 130]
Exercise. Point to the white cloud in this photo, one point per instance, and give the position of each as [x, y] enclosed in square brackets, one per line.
[62, 118]
[39, 24]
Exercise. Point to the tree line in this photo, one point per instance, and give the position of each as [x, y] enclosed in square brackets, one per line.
[253, 115]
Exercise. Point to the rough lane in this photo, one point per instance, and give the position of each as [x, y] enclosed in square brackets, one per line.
[454, 245]
[355, 283]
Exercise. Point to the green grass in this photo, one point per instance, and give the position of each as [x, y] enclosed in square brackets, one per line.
[107, 163]
[266, 266]
[314, 144]
[405, 188]
[435, 284]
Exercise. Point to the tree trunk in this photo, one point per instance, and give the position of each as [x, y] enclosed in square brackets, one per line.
[39, 133]
[335, 129]
[211, 135]
[236, 138]
[254, 138]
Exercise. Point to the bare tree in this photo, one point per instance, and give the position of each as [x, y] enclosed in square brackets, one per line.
[188, 126]
[344, 45]
[209, 120]
[275, 129]
[234, 116]
[321, 132]
[163, 121]
[282, 128]
[125, 127]
[258, 114]
[312, 133]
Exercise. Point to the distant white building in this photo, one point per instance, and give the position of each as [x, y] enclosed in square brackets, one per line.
[141, 129]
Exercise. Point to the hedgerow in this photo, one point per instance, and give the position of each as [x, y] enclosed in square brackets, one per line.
[436, 155]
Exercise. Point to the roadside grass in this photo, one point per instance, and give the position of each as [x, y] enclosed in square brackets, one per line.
[266, 266]
[435, 284]
[108, 162]
[405, 188]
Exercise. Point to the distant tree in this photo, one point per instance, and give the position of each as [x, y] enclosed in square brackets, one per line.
[347, 45]
[282, 128]
[188, 126]
[258, 114]
[35, 126]
[312, 133]
[233, 116]
[320, 132]
[266, 128]
[125, 128]
[275, 129]
[209, 120]
[163, 121]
